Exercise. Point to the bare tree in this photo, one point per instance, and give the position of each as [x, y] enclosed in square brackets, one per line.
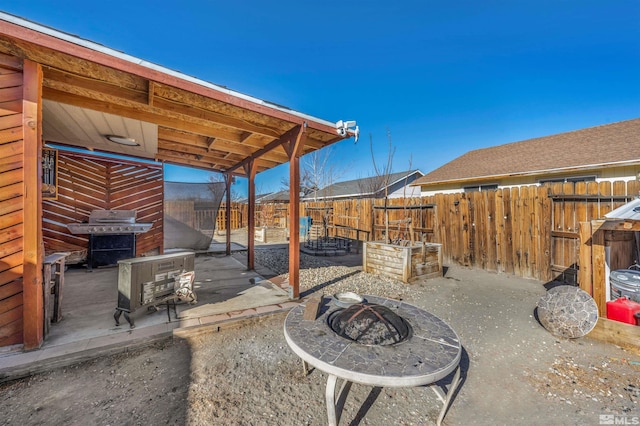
[215, 179]
[318, 171]
[382, 175]
[321, 170]
[304, 183]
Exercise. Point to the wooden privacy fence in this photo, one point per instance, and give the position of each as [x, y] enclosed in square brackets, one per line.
[529, 231]
[198, 216]
[239, 216]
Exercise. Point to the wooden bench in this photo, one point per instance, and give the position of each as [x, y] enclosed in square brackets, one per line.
[53, 283]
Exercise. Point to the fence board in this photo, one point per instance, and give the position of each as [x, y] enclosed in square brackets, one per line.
[521, 231]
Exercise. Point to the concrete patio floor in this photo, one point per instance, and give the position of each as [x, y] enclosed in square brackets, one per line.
[222, 286]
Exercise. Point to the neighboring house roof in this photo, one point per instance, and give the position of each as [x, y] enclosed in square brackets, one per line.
[193, 191]
[245, 200]
[594, 147]
[361, 187]
[274, 196]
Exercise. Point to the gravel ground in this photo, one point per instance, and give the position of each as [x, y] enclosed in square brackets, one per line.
[320, 275]
[514, 371]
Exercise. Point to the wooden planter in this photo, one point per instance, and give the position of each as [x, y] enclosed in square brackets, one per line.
[265, 234]
[403, 263]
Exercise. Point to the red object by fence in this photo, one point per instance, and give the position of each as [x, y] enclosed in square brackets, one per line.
[623, 310]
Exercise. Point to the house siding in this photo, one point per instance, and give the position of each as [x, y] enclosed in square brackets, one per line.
[11, 206]
[611, 174]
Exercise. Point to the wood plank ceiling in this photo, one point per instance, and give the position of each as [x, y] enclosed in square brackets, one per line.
[197, 125]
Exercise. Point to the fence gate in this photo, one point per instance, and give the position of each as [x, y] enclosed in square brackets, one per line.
[570, 206]
[565, 239]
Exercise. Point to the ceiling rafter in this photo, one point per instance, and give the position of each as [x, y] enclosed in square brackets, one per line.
[166, 135]
[113, 100]
[179, 149]
[150, 93]
[139, 112]
[72, 83]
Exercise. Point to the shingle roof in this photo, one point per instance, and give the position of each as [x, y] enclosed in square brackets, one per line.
[358, 187]
[275, 196]
[616, 143]
[193, 191]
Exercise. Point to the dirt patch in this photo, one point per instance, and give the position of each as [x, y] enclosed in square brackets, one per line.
[612, 382]
[514, 372]
[146, 386]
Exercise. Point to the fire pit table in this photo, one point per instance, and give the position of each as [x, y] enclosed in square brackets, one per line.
[416, 349]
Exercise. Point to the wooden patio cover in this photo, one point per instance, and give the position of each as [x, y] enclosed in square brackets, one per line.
[200, 124]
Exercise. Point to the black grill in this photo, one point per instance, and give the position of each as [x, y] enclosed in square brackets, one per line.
[112, 236]
[106, 250]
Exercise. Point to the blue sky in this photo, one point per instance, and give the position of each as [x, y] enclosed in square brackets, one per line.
[440, 77]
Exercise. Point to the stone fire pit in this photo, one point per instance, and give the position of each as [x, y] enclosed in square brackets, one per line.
[429, 353]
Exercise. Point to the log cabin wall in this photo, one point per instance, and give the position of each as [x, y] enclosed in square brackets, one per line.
[87, 182]
[11, 201]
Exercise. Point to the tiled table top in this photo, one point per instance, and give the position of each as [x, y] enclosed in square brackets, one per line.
[432, 352]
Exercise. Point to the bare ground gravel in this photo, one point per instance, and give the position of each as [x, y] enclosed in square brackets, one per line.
[515, 372]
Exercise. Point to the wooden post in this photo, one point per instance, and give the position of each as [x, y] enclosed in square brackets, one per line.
[294, 151]
[598, 267]
[585, 272]
[227, 182]
[33, 303]
[251, 169]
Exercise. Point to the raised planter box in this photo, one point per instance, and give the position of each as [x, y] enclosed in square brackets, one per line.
[265, 234]
[403, 263]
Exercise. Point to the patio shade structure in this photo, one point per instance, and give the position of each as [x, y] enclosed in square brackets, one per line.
[56, 87]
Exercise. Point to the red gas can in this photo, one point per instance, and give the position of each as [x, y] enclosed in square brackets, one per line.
[623, 310]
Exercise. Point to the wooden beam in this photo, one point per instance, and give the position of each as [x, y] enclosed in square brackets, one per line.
[251, 171]
[33, 298]
[598, 261]
[169, 119]
[616, 332]
[56, 78]
[286, 137]
[196, 141]
[150, 93]
[228, 179]
[142, 112]
[210, 142]
[216, 117]
[294, 147]
[179, 147]
[203, 156]
[182, 103]
[585, 272]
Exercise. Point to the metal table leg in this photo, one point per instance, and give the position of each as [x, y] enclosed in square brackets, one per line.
[446, 399]
[334, 408]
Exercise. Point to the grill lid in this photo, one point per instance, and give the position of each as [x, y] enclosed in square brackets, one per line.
[370, 324]
[112, 216]
[110, 222]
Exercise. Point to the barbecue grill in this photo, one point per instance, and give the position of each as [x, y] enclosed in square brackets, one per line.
[112, 236]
